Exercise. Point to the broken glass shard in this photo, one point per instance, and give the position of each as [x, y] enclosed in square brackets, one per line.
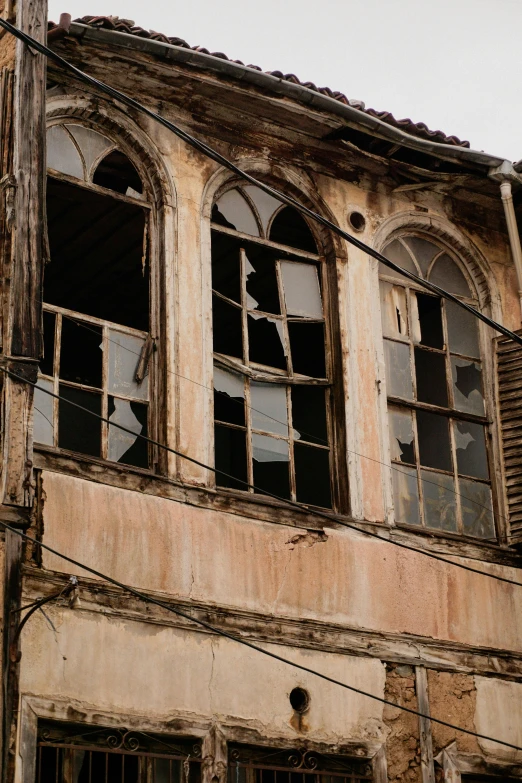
[401, 436]
[227, 328]
[434, 440]
[394, 314]
[430, 373]
[301, 289]
[266, 205]
[226, 274]
[477, 509]
[62, 154]
[309, 414]
[462, 331]
[447, 275]
[124, 355]
[271, 465]
[470, 444]
[261, 282]
[81, 353]
[43, 427]
[405, 495]
[289, 228]
[91, 143]
[232, 210]
[467, 386]
[122, 443]
[78, 430]
[307, 347]
[229, 397]
[430, 320]
[397, 253]
[47, 362]
[398, 372]
[265, 337]
[269, 408]
[440, 504]
[423, 251]
[312, 475]
[230, 457]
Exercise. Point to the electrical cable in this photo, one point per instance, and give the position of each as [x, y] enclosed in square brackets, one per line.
[211, 153]
[227, 635]
[291, 503]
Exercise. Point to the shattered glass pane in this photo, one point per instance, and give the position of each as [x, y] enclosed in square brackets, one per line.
[400, 256]
[434, 440]
[116, 172]
[405, 495]
[124, 355]
[226, 274]
[127, 447]
[307, 347]
[301, 289]
[430, 320]
[268, 406]
[266, 205]
[47, 362]
[81, 353]
[233, 211]
[62, 154]
[467, 386]
[271, 465]
[312, 475]
[43, 427]
[440, 503]
[227, 328]
[91, 143]
[289, 228]
[309, 414]
[398, 372]
[470, 445]
[78, 430]
[261, 283]
[230, 457]
[430, 373]
[423, 251]
[394, 313]
[402, 447]
[462, 331]
[229, 397]
[266, 346]
[477, 509]
[447, 275]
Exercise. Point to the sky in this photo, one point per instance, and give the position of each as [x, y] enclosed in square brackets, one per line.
[452, 64]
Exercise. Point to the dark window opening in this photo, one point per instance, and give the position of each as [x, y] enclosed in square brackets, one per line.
[430, 319]
[434, 440]
[430, 373]
[289, 228]
[117, 173]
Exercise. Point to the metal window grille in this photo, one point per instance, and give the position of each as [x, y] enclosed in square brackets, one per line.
[255, 765]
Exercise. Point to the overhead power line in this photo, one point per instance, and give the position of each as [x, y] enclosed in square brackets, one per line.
[241, 640]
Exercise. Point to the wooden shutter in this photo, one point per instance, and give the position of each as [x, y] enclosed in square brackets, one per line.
[509, 373]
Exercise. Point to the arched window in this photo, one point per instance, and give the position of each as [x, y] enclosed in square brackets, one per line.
[437, 416]
[272, 380]
[97, 341]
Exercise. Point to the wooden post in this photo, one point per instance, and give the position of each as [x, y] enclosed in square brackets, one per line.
[426, 743]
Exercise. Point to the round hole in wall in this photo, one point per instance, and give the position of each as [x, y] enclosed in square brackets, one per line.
[299, 699]
[357, 221]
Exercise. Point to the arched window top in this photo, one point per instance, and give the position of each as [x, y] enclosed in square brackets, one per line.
[428, 260]
[251, 211]
[91, 157]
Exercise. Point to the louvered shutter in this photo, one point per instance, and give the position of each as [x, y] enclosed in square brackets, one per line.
[509, 369]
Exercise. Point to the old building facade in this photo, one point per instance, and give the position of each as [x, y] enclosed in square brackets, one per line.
[309, 387]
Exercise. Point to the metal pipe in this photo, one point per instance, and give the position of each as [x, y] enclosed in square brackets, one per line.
[61, 29]
[514, 236]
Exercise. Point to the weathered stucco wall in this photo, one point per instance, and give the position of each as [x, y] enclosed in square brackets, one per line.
[498, 713]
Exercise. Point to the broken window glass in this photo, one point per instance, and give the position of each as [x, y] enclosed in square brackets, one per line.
[266, 205]
[309, 413]
[261, 282]
[477, 509]
[233, 211]
[470, 445]
[229, 397]
[462, 331]
[467, 386]
[307, 348]
[301, 289]
[430, 320]
[124, 355]
[227, 328]
[91, 144]
[402, 446]
[77, 429]
[230, 457]
[434, 440]
[271, 465]
[226, 274]
[397, 253]
[394, 313]
[405, 496]
[266, 341]
[423, 251]
[269, 408]
[81, 354]
[398, 372]
[440, 504]
[430, 374]
[62, 154]
[49, 328]
[43, 427]
[447, 275]
[124, 446]
[116, 172]
[289, 228]
[312, 475]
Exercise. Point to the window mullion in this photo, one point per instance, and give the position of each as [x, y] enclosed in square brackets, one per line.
[293, 487]
[56, 380]
[455, 475]
[105, 401]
